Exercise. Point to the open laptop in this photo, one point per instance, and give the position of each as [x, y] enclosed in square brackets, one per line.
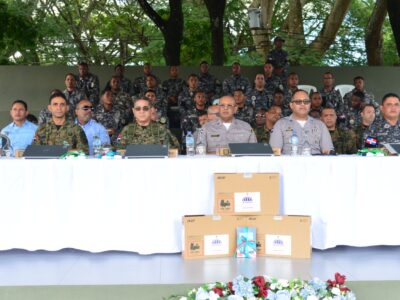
[146, 151]
[45, 151]
[250, 149]
[393, 149]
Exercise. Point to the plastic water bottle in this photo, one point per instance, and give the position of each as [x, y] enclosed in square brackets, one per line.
[294, 143]
[306, 150]
[200, 146]
[96, 146]
[190, 147]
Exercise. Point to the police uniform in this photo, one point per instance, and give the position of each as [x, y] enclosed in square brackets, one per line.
[383, 131]
[350, 118]
[190, 119]
[272, 83]
[172, 88]
[263, 134]
[314, 131]
[45, 116]
[110, 119]
[210, 85]
[332, 99]
[139, 85]
[278, 57]
[89, 86]
[68, 133]
[123, 101]
[235, 82]
[216, 134]
[344, 141]
[259, 99]
[368, 99]
[72, 99]
[154, 133]
[246, 114]
[185, 99]
[126, 85]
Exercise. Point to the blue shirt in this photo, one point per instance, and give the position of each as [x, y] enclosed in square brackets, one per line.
[20, 137]
[91, 129]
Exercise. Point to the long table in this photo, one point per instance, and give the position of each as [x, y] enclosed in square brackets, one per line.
[137, 205]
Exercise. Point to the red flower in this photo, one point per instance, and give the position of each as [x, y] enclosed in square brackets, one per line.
[340, 279]
[344, 289]
[331, 283]
[259, 281]
[230, 286]
[262, 292]
[218, 291]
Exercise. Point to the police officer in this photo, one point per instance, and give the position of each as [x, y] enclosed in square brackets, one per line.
[367, 118]
[344, 141]
[259, 97]
[272, 82]
[208, 83]
[173, 86]
[88, 83]
[235, 81]
[126, 84]
[330, 96]
[72, 94]
[144, 130]
[139, 84]
[244, 112]
[61, 131]
[226, 129]
[190, 118]
[185, 99]
[306, 128]
[387, 128]
[272, 116]
[278, 56]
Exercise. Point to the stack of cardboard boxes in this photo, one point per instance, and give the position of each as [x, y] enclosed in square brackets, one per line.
[246, 200]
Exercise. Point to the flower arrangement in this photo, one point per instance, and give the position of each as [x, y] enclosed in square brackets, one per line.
[268, 288]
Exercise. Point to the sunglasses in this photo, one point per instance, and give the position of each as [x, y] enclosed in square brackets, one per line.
[139, 108]
[87, 108]
[304, 101]
[260, 116]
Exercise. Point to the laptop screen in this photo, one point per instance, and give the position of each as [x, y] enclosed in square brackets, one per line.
[146, 151]
[250, 149]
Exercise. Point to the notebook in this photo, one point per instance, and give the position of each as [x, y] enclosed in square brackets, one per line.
[250, 149]
[146, 151]
[45, 151]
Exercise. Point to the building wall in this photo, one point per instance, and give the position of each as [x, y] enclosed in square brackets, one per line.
[34, 83]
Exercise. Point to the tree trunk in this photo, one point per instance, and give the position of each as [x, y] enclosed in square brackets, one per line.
[393, 7]
[216, 9]
[171, 29]
[296, 38]
[331, 26]
[262, 36]
[373, 34]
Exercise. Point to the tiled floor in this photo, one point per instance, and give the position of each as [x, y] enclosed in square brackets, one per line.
[74, 267]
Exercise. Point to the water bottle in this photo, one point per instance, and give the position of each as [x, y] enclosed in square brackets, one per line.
[306, 150]
[294, 143]
[190, 150]
[96, 146]
[200, 146]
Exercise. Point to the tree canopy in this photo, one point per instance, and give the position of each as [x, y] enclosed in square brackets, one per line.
[108, 32]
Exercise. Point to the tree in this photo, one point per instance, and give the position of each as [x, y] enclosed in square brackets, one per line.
[171, 29]
[373, 34]
[216, 9]
[393, 7]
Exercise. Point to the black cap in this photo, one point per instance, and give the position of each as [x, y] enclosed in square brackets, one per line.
[278, 38]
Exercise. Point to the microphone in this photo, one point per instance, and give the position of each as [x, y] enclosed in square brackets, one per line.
[371, 142]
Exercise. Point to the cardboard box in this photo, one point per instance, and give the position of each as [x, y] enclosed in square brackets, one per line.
[281, 236]
[246, 194]
[208, 236]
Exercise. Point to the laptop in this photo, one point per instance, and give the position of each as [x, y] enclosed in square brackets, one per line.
[146, 151]
[250, 149]
[45, 151]
[393, 149]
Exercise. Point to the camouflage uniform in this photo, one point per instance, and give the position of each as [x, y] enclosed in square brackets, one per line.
[172, 88]
[70, 133]
[123, 102]
[235, 82]
[352, 118]
[368, 99]
[154, 133]
[112, 119]
[161, 107]
[332, 99]
[259, 99]
[72, 99]
[344, 141]
[90, 87]
[263, 134]
[245, 114]
[126, 85]
[44, 116]
[383, 131]
[139, 85]
[272, 83]
[359, 130]
[185, 99]
[210, 85]
[190, 120]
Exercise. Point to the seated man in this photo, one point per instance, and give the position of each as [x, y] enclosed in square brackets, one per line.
[226, 129]
[344, 140]
[244, 112]
[212, 113]
[272, 116]
[387, 129]
[144, 130]
[83, 112]
[20, 131]
[60, 131]
[308, 129]
[367, 118]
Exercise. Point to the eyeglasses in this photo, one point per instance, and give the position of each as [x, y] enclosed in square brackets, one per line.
[260, 116]
[226, 106]
[304, 101]
[87, 108]
[139, 108]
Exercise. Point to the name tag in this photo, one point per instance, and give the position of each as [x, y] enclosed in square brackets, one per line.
[215, 135]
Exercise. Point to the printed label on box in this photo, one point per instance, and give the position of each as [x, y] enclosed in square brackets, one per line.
[247, 202]
[216, 244]
[278, 244]
[195, 247]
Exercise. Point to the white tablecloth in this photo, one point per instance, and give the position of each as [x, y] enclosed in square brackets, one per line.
[137, 205]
